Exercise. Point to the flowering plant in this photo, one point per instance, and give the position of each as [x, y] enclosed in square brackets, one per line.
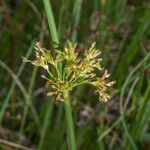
[76, 70]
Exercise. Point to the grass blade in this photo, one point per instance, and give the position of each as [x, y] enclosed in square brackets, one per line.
[121, 99]
[46, 122]
[6, 101]
[76, 14]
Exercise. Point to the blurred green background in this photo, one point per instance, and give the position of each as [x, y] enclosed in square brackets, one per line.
[121, 30]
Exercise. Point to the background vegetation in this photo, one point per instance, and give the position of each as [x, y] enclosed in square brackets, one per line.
[121, 29]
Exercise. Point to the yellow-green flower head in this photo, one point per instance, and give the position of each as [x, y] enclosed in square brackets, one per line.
[76, 70]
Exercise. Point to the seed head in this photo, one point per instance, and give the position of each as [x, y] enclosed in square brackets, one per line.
[77, 70]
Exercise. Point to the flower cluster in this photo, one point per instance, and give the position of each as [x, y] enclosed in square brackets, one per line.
[76, 70]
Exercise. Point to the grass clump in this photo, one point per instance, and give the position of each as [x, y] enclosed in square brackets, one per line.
[120, 29]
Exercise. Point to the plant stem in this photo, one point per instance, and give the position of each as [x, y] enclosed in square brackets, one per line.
[55, 39]
[52, 27]
[69, 121]
[46, 122]
[51, 22]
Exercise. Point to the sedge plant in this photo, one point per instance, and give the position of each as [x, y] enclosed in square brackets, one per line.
[77, 70]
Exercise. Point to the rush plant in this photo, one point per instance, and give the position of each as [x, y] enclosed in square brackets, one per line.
[77, 70]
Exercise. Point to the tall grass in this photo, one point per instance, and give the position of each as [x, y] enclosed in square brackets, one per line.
[121, 31]
[10, 91]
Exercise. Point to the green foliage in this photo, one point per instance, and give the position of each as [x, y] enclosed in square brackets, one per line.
[121, 31]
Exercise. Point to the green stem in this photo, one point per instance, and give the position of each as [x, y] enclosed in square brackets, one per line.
[51, 22]
[46, 122]
[55, 39]
[69, 121]
[50, 74]
[52, 27]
